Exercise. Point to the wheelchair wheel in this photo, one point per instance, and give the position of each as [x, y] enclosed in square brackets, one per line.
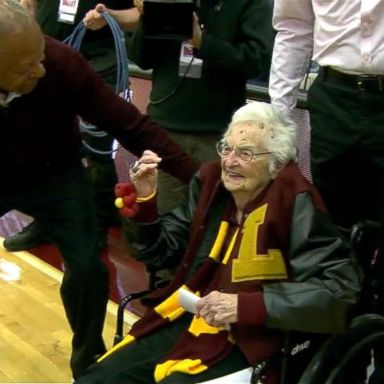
[354, 357]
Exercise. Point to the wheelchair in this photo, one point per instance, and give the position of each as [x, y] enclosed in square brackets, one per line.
[357, 357]
[354, 357]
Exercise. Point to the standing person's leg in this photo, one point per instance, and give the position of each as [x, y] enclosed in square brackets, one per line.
[347, 156]
[338, 164]
[65, 210]
[351, 181]
[200, 147]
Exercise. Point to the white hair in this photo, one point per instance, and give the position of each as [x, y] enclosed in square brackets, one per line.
[279, 130]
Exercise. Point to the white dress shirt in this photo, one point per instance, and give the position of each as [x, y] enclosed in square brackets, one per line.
[347, 35]
[6, 98]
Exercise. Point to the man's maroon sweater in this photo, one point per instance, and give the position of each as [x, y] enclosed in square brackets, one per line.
[39, 130]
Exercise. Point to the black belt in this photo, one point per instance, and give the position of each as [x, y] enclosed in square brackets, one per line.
[364, 83]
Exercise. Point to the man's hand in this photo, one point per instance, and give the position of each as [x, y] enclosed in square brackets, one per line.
[218, 309]
[128, 19]
[93, 19]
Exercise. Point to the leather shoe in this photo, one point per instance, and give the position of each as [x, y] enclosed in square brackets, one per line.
[29, 237]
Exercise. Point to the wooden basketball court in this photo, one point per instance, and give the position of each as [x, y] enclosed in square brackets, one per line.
[35, 337]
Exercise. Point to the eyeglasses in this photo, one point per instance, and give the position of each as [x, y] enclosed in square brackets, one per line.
[244, 154]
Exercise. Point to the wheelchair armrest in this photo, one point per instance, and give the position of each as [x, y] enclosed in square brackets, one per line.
[120, 313]
[155, 283]
[363, 228]
[364, 240]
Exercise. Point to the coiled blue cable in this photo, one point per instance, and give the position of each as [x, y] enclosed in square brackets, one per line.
[122, 75]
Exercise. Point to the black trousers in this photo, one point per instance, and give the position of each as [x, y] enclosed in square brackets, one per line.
[347, 150]
[347, 161]
[64, 209]
[135, 363]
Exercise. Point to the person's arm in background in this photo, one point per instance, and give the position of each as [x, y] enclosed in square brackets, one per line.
[294, 23]
[127, 18]
[244, 53]
[30, 5]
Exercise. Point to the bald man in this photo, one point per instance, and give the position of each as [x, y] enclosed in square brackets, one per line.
[44, 86]
[99, 50]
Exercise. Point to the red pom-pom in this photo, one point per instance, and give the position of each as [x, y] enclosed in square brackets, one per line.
[129, 199]
[127, 194]
[123, 189]
[129, 211]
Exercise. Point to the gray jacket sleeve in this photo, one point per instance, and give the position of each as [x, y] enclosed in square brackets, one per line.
[325, 280]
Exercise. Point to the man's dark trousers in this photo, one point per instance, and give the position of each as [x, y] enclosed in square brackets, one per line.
[63, 206]
[347, 149]
[347, 154]
[347, 161]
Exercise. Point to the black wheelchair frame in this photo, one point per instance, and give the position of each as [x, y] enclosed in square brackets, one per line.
[346, 358]
[317, 358]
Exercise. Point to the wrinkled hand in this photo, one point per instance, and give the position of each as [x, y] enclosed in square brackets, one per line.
[126, 199]
[217, 308]
[197, 32]
[93, 19]
[145, 177]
